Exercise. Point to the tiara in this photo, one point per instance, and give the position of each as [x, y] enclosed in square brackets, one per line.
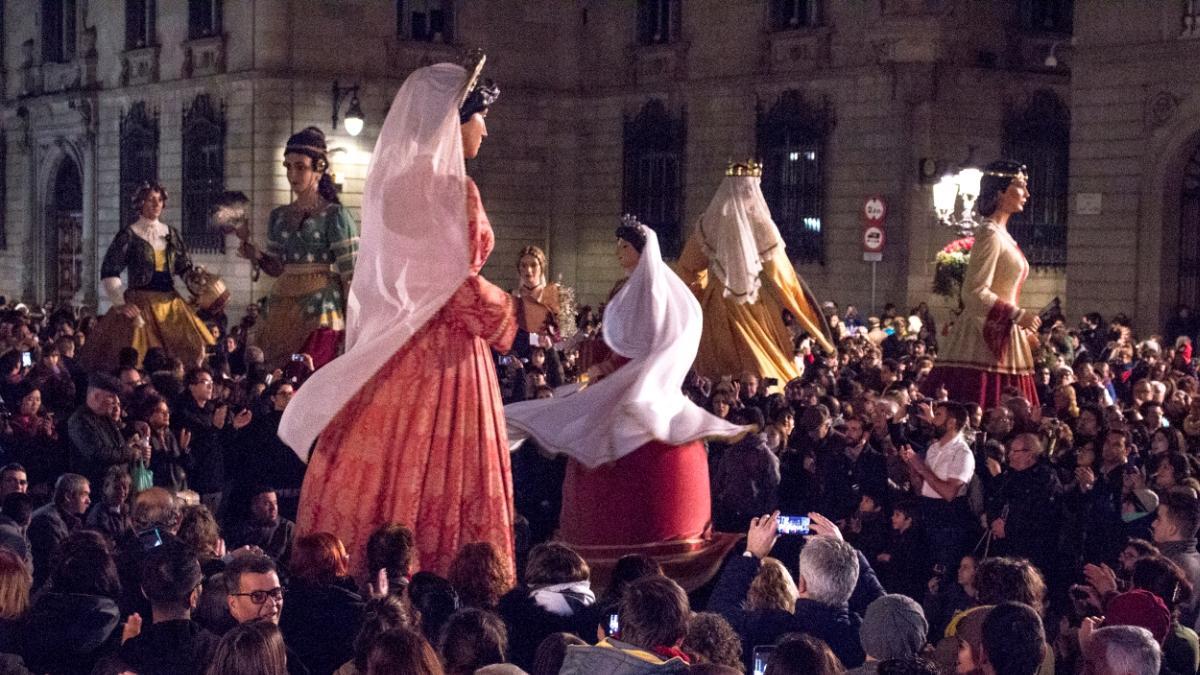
[474, 65]
[747, 168]
[630, 220]
[1019, 173]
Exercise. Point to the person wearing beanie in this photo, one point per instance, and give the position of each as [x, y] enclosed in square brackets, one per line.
[1137, 513]
[1139, 608]
[893, 627]
[312, 244]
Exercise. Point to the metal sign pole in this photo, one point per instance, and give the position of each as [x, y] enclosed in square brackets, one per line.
[873, 264]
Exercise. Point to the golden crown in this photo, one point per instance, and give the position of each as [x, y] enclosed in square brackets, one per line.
[473, 63]
[746, 168]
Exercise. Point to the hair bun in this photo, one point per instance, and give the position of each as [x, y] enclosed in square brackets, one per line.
[316, 131]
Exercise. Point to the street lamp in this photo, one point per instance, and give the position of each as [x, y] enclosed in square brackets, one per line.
[948, 191]
[354, 114]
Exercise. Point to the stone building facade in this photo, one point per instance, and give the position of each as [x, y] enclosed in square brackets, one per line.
[607, 106]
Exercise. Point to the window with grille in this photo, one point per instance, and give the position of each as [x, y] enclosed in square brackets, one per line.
[653, 180]
[791, 139]
[139, 23]
[791, 14]
[58, 31]
[203, 172]
[139, 155]
[1039, 136]
[425, 20]
[204, 18]
[659, 21]
[1048, 16]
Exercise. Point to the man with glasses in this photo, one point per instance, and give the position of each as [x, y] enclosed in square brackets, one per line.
[96, 442]
[255, 594]
[1024, 507]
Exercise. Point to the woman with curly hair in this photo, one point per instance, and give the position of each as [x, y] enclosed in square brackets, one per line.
[772, 588]
[480, 575]
[324, 608]
[710, 639]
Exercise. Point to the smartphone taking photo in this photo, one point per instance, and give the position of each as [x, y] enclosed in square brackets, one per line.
[793, 524]
[762, 655]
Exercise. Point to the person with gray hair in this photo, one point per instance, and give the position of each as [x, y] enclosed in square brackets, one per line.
[53, 523]
[1120, 650]
[829, 572]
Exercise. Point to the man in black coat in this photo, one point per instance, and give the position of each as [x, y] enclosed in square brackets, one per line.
[96, 442]
[1024, 508]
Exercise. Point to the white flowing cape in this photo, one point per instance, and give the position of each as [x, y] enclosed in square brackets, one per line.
[655, 321]
[413, 253]
[738, 234]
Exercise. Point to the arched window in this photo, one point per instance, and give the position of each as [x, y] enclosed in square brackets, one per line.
[791, 143]
[1039, 135]
[425, 20]
[139, 23]
[653, 182]
[203, 172]
[204, 18]
[659, 21]
[139, 154]
[58, 31]
[792, 14]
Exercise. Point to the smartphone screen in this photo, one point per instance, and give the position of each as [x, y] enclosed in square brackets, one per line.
[26, 359]
[762, 655]
[793, 524]
[614, 624]
[534, 340]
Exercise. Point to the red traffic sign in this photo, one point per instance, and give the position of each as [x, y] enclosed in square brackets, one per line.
[873, 239]
[874, 210]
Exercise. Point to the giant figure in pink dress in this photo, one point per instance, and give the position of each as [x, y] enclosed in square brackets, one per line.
[988, 348]
[637, 474]
[410, 419]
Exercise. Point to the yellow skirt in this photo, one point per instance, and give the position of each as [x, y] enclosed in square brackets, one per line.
[167, 322]
[305, 299]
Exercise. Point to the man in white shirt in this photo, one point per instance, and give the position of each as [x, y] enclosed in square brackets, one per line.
[943, 474]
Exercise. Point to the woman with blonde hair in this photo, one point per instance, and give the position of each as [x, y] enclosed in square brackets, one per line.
[252, 648]
[15, 582]
[772, 588]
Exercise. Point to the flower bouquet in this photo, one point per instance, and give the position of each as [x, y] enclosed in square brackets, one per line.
[951, 268]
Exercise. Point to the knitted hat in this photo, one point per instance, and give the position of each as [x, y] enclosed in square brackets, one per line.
[1145, 500]
[894, 627]
[1139, 608]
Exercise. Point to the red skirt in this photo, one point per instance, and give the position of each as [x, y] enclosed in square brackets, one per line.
[654, 501]
[974, 385]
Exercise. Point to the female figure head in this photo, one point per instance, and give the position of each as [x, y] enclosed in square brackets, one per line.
[30, 399]
[15, 582]
[198, 529]
[251, 648]
[1003, 190]
[402, 650]
[631, 239]
[472, 114]
[149, 200]
[772, 588]
[1172, 470]
[117, 485]
[1010, 579]
[1166, 440]
[472, 639]
[319, 558]
[480, 575]
[531, 267]
[379, 616]
[84, 564]
[306, 160]
[154, 411]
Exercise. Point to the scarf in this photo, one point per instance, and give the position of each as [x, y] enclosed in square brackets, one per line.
[564, 599]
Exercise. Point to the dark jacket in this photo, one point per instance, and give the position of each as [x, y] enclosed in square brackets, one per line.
[170, 648]
[130, 252]
[116, 525]
[210, 445]
[1184, 554]
[49, 527]
[66, 633]
[843, 480]
[1029, 502]
[169, 462]
[747, 483]
[837, 626]
[16, 539]
[275, 540]
[96, 444]
[528, 624]
[319, 623]
[613, 657]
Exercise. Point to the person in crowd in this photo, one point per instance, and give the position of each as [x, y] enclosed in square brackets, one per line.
[1128, 650]
[390, 552]
[556, 597]
[110, 515]
[632, 425]
[480, 575]
[53, 523]
[15, 585]
[1024, 505]
[171, 459]
[171, 642]
[654, 615]
[471, 639]
[735, 263]
[312, 244]
[772, 588]
[13, 478]
[548, 660]
[893, 627]
[430, 331]
[260, 457]
[379, 615]
[1013, 640]
[1174, 531]
[251, 648]
[325, 609]
[904, 565]
[255, 595]
[96, 441]
[829, 572]
[798, 653]
[946, 599]
[435, 600]
[628, 569]
[213, 431]
[943, 475]
[988, 347]
[150, 313]
[31, 438]
[74, 622]
[265, 528]
[746, 483]
[16, 514]
[545, 314]
[711, 640]
[403, 650]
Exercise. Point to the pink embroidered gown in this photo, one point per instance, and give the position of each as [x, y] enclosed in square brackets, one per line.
[423, 441]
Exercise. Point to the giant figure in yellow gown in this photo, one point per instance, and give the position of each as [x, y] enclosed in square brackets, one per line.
[735, 263]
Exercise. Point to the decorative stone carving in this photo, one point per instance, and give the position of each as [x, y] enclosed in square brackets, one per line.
[139, 66]
[800, 49]
[58, 77]
[204, 56]
[660, 63]
[1160, 108]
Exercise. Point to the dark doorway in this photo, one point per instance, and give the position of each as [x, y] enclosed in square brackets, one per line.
[64, 234]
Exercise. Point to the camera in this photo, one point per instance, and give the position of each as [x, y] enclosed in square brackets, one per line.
[793, 525]
[26, 359]
[762, 656]
[297, 358]
[614, 624]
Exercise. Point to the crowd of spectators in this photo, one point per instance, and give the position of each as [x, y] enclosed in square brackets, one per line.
[146, 512]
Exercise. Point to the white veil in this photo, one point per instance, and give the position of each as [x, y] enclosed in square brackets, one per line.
[414, 251]
[655, 321]
[738, 235]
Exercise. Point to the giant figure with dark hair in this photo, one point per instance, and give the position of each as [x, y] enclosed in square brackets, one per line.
[988, 348]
